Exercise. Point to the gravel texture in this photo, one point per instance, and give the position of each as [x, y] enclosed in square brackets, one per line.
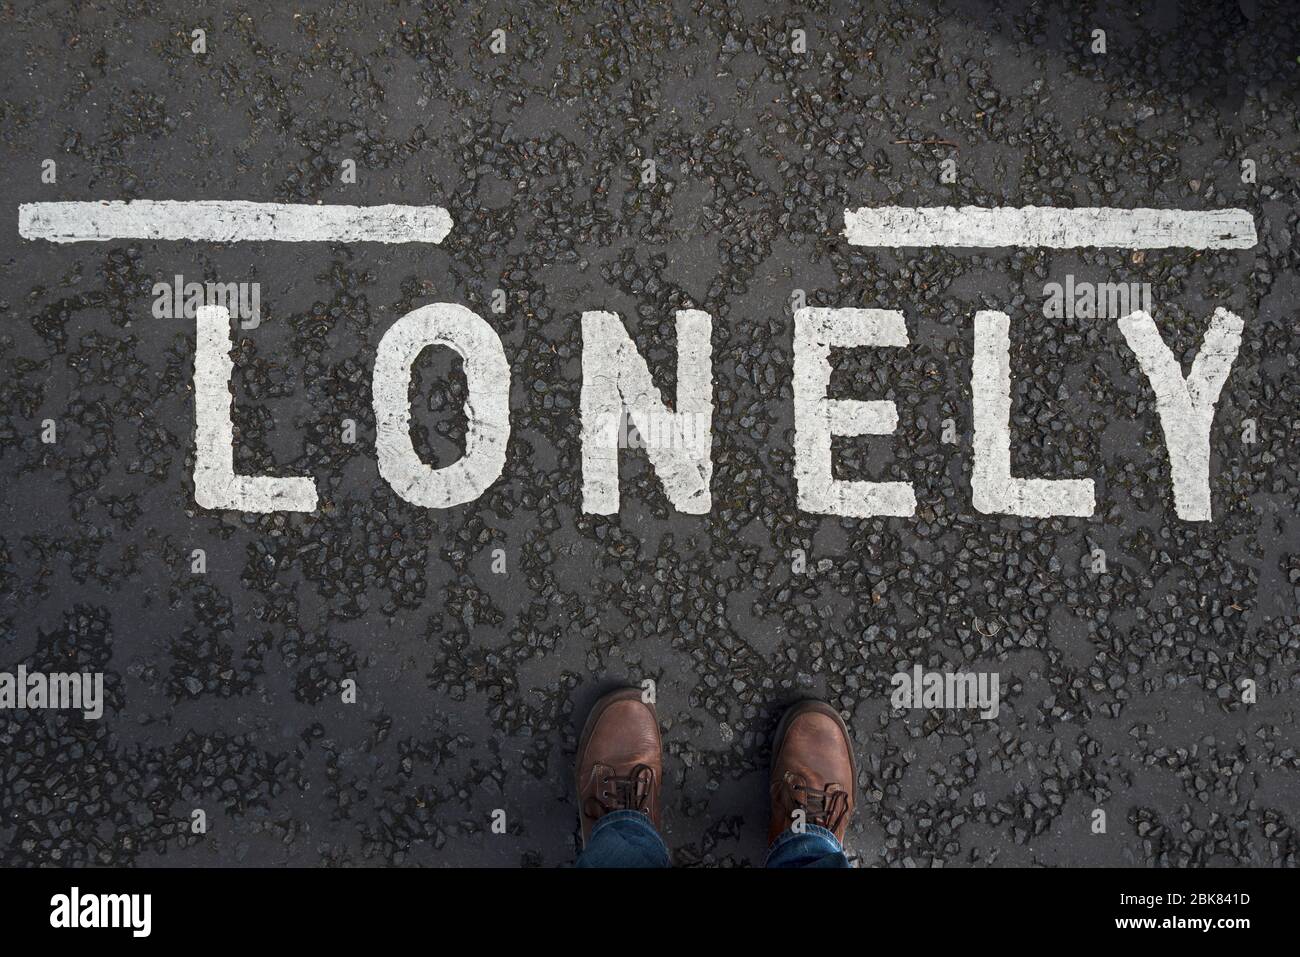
[1120, 689]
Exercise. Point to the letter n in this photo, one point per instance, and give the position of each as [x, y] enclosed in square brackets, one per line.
[615, 379]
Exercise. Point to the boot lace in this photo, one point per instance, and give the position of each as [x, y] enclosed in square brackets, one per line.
[824, 807]
[615, 793]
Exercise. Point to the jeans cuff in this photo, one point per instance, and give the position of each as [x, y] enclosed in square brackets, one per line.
[636, 819]
[833, 845]
[605, 820]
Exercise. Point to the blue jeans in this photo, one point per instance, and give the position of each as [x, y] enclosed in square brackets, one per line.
[628, 839]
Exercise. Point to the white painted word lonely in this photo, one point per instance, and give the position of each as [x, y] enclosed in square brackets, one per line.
[616, 382]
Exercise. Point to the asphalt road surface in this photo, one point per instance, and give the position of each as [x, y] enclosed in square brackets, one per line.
[1123, 688]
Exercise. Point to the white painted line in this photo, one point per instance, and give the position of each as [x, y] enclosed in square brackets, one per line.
[983, 227]
[230, 221]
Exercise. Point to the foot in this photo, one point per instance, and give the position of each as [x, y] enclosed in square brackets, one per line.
[813, 770]
[620, 760]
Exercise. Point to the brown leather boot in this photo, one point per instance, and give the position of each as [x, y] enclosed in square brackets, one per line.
[813, 770]
[620, 760]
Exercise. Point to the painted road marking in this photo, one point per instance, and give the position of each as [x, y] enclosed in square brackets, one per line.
[616, 378]
[229, 221]
[967, 226]
[984, 227]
